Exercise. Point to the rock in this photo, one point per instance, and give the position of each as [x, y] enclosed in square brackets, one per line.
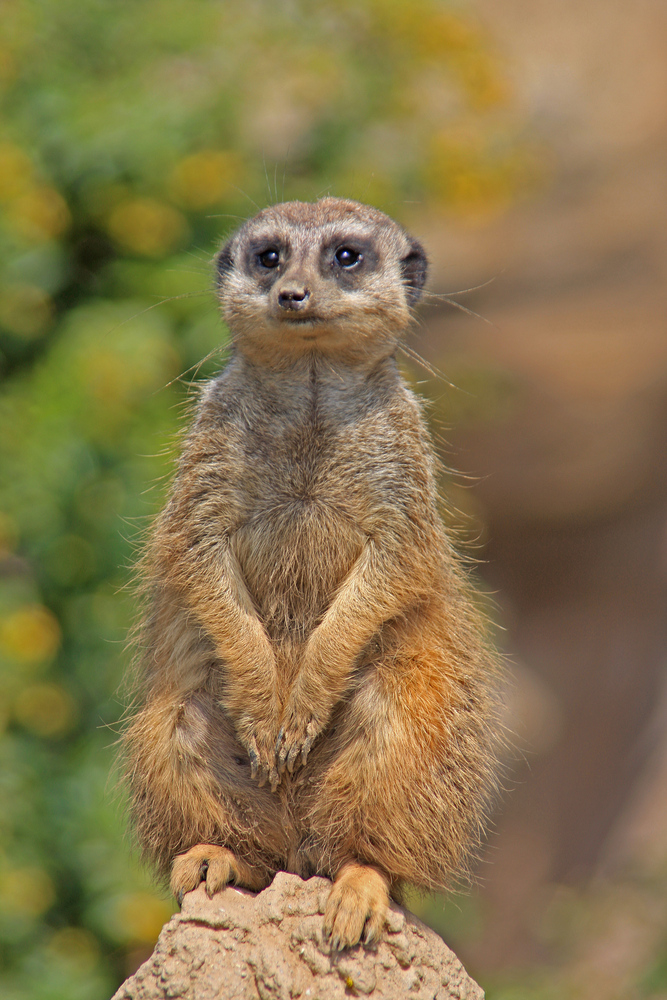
[269, 946]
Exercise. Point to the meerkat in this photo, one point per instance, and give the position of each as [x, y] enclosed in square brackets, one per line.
[317, 690]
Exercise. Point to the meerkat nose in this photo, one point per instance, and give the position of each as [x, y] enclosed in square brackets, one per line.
[293, 298]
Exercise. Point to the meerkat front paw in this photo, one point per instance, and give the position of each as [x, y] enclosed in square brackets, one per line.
[259, 741]
[295, 739]
[213, 865]
[358, 900]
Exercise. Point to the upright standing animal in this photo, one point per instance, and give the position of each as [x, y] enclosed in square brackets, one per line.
[316, 687]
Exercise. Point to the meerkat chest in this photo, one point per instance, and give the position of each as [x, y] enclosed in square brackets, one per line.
[300, 508]
[310, 485]
[316, 468]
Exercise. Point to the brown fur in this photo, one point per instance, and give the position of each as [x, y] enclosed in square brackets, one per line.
[316, 686]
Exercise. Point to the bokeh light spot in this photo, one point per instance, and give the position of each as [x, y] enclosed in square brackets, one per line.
[39, 214]
[45, 709]
[30, 634]
[25, 310]
[15, 171]
[138, 917]
[147, 226]
[204, 178]
[75, 946]
[27, 892]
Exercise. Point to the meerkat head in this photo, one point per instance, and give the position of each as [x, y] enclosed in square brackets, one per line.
[334, 277]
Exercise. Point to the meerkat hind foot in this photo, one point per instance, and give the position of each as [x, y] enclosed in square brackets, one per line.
[213, 865]
[359, 898]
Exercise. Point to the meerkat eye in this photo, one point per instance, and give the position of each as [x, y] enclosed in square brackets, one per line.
[347, 257]
[269, 258]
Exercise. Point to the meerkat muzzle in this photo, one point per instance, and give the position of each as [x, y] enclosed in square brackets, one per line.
[293, 298]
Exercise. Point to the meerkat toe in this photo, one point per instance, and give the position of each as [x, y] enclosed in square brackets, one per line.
[358, 899]
[292, 758]
[375, 926]
[254, 760]
[346, 922]
[274, 778]
[308, 743]
[220, 872]
[215, 866]
[189, 869]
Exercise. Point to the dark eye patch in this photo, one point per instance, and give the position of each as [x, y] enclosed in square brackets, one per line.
[347, 257]
[265, 256]
[269, 258]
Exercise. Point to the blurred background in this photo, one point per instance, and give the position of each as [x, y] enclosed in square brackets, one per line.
[525, 145]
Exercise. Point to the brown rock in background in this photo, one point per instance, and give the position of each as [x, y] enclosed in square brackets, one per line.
[269, 946]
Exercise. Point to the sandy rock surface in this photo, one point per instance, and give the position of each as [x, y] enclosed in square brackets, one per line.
[270, 946]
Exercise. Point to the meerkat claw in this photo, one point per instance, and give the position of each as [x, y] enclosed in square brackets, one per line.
[310, 739]
[292, 758]
[262, 769]
[254, 758]
[282, 752]
[286, 757]
[292, 747]
[358, 901]
[374, 926]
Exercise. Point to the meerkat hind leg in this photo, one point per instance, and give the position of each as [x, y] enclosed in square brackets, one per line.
[216, 867]
[359, 898]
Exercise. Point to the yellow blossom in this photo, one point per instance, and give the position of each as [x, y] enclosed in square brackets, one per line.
[45, 709]
[39, 214]
[15, 171]
[25, 310]
[138, 917]
[30, 634]
[147, 227]
[27, 892]
[204, 178]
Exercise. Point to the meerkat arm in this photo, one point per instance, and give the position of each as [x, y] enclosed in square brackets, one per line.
[222, 604]
[207, 573]
[377, 588]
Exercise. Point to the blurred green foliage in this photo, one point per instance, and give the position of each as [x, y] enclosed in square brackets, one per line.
[133, 134]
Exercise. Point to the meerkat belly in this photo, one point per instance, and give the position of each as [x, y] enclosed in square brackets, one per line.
[293, 556]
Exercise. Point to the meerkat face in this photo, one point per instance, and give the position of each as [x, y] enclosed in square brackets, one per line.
[334, 277]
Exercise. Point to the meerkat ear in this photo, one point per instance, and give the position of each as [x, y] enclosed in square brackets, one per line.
[224, 262]
[414, 267]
